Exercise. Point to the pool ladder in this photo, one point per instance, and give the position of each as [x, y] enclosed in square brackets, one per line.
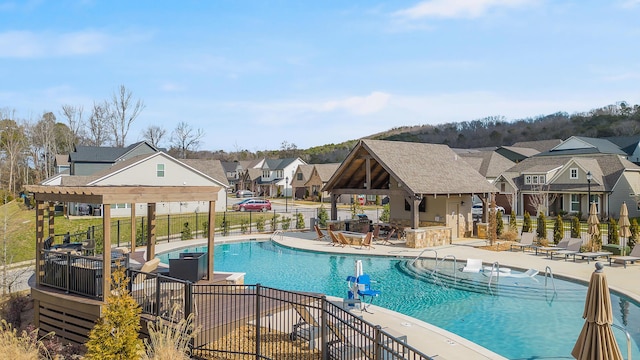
[547, 272]
[424, 251]
[276, 233]
[495, 269]
[628, 339]
[455, 265]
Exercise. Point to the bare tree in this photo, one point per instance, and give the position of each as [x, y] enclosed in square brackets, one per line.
[123, 112]
[184, 138]
[14, 143]
[98, 124]
[541, 198]
[154, 134]
[75, 123]
[43, 146]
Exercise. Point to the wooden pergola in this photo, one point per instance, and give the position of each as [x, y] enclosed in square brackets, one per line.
[46, 196]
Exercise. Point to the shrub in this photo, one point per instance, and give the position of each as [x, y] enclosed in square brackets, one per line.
[386, 213]
[115, 336]
[205, 227]
[323, 216]
[260, 224]
[170, 339]
[12, 309]
[499, 223]
[542, 227]
[186, 232]
[509, 235]
[635, 232]
[299, 221]
[286, 223]
[244, 225]
[558, 229]
[526, 222]
[25, 346]
[575, 227]
[274, 222]
[513, 226]
[614, 237]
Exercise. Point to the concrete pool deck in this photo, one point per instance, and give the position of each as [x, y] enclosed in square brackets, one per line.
[429, 339]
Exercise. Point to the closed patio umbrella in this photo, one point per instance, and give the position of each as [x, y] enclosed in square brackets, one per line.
[596, 340]
[625, 233]
[593, 224]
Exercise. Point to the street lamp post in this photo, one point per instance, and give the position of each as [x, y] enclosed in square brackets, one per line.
[589, 177]
[286, 201]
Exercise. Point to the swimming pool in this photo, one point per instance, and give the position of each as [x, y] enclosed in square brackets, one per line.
[522, 321]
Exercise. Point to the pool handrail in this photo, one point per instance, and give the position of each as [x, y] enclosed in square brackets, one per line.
[548, 272]
[422, 252]
[626, 333]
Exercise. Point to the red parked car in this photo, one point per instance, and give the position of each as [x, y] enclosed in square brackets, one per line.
[253, 205]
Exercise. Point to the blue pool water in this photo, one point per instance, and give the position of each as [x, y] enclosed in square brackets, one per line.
[530, 322]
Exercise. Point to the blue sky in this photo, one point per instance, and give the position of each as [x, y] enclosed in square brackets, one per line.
[253, 74]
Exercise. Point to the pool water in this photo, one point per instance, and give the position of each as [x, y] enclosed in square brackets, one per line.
[525, 322]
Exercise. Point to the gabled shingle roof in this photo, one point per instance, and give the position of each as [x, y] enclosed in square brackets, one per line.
[489, 164]
[421, 168]
[540, 145]
[326, 171]
[594, 146]
[211, 168]
[103, 154]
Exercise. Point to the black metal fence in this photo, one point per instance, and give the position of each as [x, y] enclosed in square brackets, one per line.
[175, 227]
[268, 323]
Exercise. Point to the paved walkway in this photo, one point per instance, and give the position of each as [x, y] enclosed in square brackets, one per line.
[434, 341]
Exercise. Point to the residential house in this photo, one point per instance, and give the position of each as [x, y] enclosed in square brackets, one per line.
[61, 164]
[584, 146]
[299, 180]
[318, 178]
[630, 145]
[156, 169]
[559, 184]
[516, 154]
[236, 171]
[427, 184]
[87, 160]
[275, 176]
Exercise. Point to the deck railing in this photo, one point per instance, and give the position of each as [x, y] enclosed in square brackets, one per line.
[76, 274]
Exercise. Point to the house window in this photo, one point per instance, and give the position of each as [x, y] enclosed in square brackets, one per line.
[575, 203]
[535, 179]
[573, 173]
[280, 174]
[265, 173]
[541, 179]
[299, 176]
[527, 179]
[120, 206]
[159, 170]
[503, 187]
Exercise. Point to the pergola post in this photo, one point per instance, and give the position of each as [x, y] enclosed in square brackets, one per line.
[40, 205]
[106, 251]
[210, 239]
[151, 231]
[133, 227]
[52, 214]
[334, 206]
[415, 212]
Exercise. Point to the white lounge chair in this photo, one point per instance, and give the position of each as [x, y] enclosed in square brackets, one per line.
[526, 241]
[632, 257]
[473, 266]
[573, 247]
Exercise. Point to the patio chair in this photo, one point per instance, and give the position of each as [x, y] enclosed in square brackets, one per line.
[387, 240]
[573, 247]
[334, 238]
[142, 284]
[321, 235]
[562, 245]
[343, 240]
[473, 266]
[366, 242]
[88, 247]
[306, 328]
[526, 241]
[364, 290]
[632, 257]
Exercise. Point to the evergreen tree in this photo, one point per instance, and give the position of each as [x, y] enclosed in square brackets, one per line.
[526, 222]
[542, 227]
[499, 223]
[299, 221]
[614, 236]
[635, 232]
[322, 216]
[558, 229]
[575, 227]
[513, 226]
[115, 336]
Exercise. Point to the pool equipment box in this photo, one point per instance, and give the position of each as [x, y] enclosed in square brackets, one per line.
[190, 266]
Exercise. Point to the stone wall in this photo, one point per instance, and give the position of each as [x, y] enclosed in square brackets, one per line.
[428, 236]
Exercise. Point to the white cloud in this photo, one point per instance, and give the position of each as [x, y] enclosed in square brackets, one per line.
[456, 8]
[171, 87]
[359, 105]
[28, 44]
[630, 3]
